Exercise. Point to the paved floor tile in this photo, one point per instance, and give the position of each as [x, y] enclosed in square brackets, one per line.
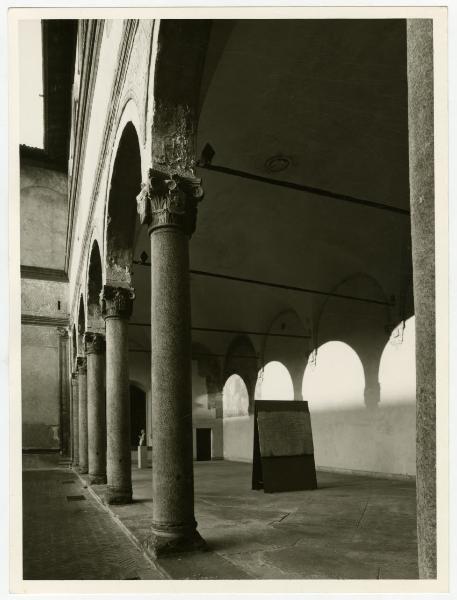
[67, 535]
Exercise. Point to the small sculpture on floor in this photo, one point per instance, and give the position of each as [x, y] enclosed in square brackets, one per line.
[141, 438]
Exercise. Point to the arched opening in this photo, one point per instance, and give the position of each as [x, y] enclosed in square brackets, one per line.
[81, 326]
[94, 287]
[238, 432]
[336, 381]
[287, 342]
[274, 383]
[235, 397]
[137, 413]
[121, 217]
[397, 368]
[347, 433]
[206, 403]
[242, 360]
[74, 346]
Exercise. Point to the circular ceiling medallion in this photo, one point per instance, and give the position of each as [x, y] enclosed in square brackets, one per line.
[277, 163]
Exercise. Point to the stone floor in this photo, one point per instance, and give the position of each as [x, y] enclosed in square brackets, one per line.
[67, 535]
[351, 527]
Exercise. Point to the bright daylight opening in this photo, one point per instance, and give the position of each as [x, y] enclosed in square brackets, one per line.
[397, 369]
[275, 383]
[337, 379]
[31, 122]
[235, 397]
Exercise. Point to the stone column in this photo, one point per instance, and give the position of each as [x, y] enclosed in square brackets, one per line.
[64, 392]
[70, 431]
[372, 391]
[82, 406]
[75, 418]
[167, 204]
[422, 199]
[96, 406]
[117, 304]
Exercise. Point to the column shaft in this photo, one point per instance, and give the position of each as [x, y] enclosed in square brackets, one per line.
[167, 204]
[421, 178]
[171, 391]
[65, 423]
[96, 408]
[75, 419]
[116, 309]
[82, 427]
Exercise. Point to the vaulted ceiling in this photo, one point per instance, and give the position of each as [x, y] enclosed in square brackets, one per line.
[322, 104]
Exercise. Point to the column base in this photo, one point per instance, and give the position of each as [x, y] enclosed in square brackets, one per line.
[97, 479]
[115, 495]
[162, 543]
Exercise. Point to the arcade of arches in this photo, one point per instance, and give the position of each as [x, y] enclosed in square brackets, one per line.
[237, 227]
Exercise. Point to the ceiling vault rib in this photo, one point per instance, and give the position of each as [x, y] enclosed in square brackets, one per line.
[281, 286]
[305, 188]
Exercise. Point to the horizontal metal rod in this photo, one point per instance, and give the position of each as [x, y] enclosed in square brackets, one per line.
[281, 286]
[226, 355]
[285, 335]
[212, 355]
[305, 188]
[293, 288]
[218, 330]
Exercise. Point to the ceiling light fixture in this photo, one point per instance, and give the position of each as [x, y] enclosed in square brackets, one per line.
[277, 163]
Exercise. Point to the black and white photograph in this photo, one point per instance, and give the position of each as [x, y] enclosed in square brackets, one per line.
[230, 234]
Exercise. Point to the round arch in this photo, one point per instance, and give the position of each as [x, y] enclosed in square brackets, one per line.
[74, 345]
[120, 218]
[336, 380]
[359, 284]
[138, 411]
[274, 382]
[235, 397]
[238, 420]
[94, 287]
[397, 368]
[81, 325]
[291, 351]
[241, 359]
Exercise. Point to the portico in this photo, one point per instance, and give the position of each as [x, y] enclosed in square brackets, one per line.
[254, 221]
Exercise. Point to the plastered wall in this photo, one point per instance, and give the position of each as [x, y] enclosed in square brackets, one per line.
[40, 388]
[204, 413]
[43, 228]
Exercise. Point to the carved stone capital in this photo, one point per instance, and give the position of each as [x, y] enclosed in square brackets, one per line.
[62, 332]
[116, 302]
[94, 343]
[169, 200]
[81, 364]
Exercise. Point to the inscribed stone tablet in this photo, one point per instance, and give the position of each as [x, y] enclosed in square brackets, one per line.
[284, 433]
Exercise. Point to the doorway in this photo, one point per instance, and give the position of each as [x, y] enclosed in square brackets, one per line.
[203, 436]
[137, 413]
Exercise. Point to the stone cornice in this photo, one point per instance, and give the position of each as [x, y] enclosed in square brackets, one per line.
[44, 321]
[92, 38]
[128, 36]
[30, 272]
